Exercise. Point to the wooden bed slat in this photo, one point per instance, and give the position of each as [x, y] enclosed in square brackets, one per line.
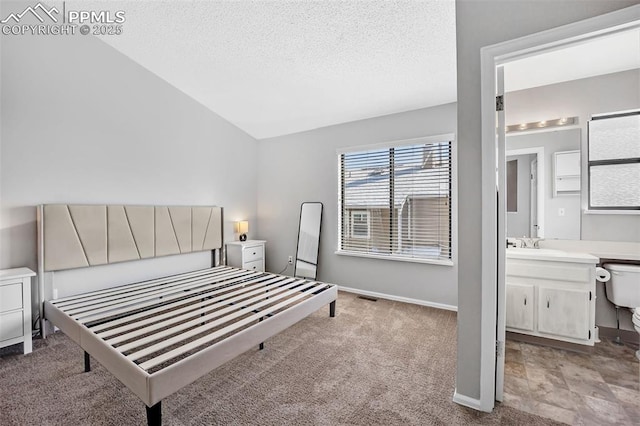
[207, 291]
[205, 327]
[216, 335]
[186, 303]
[106, 314]
[240, 311]
[199, 312]
[125, 298]
[183, 371]
[133, 289]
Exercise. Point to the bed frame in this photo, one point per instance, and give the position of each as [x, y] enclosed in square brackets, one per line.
[159, 335]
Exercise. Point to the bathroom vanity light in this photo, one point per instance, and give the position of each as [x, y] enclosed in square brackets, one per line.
[242, 227]
[545, 124]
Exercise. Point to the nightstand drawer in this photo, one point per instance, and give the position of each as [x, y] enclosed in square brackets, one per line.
[15, 307]
[11, 296]
[256, 265]
[11, 325]
[246, 254]
[253, 253]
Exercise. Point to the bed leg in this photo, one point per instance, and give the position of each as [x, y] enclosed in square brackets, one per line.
[261, 347]
[87, 362]
[154, 414]
[332, 309]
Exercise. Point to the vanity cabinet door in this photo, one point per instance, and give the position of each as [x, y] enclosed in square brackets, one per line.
[520, 306]
[564, 312]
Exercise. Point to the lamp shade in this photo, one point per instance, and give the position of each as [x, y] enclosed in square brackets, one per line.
[242, 227]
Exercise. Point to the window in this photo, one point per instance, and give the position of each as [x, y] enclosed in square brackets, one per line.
[360, 224]
[395, 200]
[614, 162]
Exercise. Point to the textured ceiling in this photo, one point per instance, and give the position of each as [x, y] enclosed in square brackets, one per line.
[276, 67]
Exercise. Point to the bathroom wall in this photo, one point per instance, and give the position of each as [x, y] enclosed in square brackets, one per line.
[565, 226]
[583, 98]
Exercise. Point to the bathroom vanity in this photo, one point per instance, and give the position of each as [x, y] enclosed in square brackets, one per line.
[551, 294]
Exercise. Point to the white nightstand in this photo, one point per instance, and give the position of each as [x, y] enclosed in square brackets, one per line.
[246, 254]
[15, 307]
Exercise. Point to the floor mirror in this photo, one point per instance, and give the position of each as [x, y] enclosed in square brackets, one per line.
[306, 265]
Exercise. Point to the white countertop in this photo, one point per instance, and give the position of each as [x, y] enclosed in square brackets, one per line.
[612, 250]
[551, 255]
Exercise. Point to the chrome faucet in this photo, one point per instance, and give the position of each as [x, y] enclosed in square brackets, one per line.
[527, 242]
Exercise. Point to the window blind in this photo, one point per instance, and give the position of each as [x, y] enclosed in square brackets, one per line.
[396, 201]
[614, 162]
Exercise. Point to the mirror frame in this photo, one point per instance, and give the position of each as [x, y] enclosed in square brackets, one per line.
[317, 254]
[539, 153]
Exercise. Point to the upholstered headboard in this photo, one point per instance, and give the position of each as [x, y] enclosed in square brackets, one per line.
[76, 236]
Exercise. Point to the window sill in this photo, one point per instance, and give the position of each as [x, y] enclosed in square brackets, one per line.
[610, 212]
[395, 258]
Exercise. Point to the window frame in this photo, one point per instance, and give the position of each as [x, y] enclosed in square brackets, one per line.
[610, 162]
[450, 138]
[366, 213]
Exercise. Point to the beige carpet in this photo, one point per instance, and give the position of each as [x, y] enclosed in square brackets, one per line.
[383, 362]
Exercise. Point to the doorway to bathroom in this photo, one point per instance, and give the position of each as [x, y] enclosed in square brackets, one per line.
[495, 60]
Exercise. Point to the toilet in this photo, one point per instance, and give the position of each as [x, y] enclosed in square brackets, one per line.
[623, 290]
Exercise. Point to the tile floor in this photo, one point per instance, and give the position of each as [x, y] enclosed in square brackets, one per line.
[602, 388]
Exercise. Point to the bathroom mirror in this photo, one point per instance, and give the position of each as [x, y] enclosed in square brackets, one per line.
[306, 265]
[537, 210]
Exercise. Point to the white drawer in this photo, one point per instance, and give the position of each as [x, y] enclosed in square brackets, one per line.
[11, 296]
[11, 325]
[253, 253]
[256, 265]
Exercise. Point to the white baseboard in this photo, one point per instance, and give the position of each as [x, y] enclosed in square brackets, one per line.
[398, 298]
[466, 401]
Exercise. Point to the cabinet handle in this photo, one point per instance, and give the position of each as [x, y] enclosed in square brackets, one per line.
[525, 301]
[547, 303]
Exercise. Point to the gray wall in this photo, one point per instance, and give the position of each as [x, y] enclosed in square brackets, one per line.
[583, 98]
[304, 167]
[562, 227]
[82, 123]
[519, 222]
[481, 23]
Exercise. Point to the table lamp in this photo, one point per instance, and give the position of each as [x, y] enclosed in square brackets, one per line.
[242, 227]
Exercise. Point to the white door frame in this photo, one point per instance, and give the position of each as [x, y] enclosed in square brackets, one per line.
[493, 270]
[539, 151]
[534, 199]
[501, 235]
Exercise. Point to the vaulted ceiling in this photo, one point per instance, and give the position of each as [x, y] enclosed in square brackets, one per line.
[279, 67]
